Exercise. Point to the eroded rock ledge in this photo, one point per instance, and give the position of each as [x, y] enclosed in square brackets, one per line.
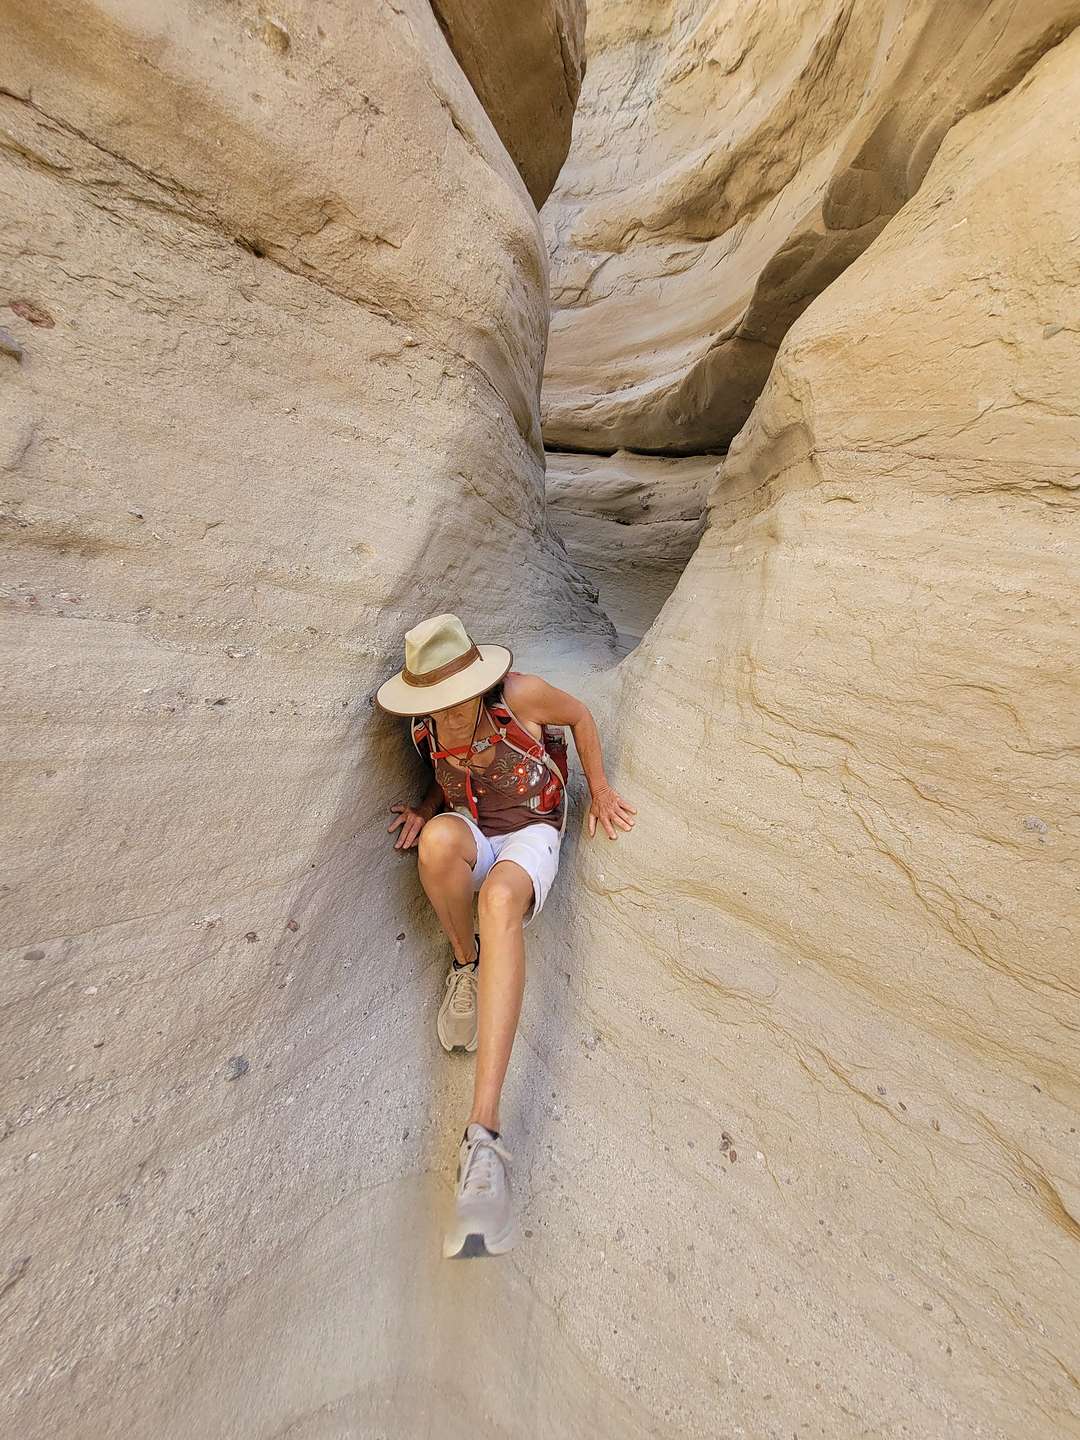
[728, 163]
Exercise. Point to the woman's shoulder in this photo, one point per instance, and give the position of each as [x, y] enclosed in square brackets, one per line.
[519, 687]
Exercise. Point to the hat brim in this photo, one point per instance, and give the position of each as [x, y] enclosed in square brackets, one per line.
[398, 697]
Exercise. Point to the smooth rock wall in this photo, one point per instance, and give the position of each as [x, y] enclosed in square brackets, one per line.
[729, 161]
[832, 978]
[276, 303]
[794, 1103]
[525, 59]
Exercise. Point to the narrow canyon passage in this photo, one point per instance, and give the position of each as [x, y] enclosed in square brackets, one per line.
[794, 1103]
[629, 523]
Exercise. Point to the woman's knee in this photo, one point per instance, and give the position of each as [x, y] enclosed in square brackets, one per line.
[444, 840]
[505, 895]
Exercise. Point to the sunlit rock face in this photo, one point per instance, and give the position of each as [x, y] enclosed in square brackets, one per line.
[842, 942]
[728, 162]
[274, 307]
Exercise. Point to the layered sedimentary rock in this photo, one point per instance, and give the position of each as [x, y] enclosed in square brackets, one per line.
[629, 523]
[525, 62]
[841, 945]
[274, 305]
[728, 163]
[794, 1103]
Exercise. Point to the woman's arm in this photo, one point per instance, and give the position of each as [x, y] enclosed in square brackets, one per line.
[534, 699]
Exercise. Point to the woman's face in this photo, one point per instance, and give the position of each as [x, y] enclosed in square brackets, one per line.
[458, 717]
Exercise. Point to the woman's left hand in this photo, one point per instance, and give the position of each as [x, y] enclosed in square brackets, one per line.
[610, 809]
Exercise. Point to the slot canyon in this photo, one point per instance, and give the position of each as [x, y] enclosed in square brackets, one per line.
[724, 361]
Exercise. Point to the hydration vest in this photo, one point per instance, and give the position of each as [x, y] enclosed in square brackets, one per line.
[550, 751]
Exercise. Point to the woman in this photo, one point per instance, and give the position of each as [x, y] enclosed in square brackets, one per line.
[499, 783]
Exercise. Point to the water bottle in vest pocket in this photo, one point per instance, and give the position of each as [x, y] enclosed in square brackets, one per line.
[555, 745]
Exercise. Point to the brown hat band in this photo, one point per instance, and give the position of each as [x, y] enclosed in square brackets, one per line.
[443, 672]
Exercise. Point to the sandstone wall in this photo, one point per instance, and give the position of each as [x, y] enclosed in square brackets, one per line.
[794, 1104]
[729, 161]
[276, 304]
[630, 523]
[525, 61]
[833, 975]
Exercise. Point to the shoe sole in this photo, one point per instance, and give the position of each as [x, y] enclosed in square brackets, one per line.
[467, 1048]
[475, 1246]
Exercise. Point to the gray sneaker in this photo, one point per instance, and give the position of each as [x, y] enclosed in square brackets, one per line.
[483, 1221]
[457, 1013]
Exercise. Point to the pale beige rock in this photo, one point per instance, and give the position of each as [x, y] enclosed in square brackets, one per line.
[728, 163]
[845, 929]
[794, 1102]
[629, 523]
[525, 60]
[230, 480]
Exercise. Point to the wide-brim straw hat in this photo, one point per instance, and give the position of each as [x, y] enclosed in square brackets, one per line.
[442, 668]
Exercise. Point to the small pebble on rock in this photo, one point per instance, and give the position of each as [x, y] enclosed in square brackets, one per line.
[273, 33]
[237, 1066]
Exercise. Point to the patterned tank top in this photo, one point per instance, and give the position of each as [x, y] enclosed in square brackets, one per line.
[509, 788]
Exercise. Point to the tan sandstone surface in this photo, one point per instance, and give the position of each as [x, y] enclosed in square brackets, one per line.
[280, 297]
[729, 161]
[794, 1102]
[845, 931]
[527, 74]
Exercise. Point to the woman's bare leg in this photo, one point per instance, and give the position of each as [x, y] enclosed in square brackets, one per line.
[505, 897]
[447, 854]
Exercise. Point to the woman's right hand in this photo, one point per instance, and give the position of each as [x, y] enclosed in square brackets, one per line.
[411, 821]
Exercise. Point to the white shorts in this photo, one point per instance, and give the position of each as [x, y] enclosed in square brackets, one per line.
[534, 847]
